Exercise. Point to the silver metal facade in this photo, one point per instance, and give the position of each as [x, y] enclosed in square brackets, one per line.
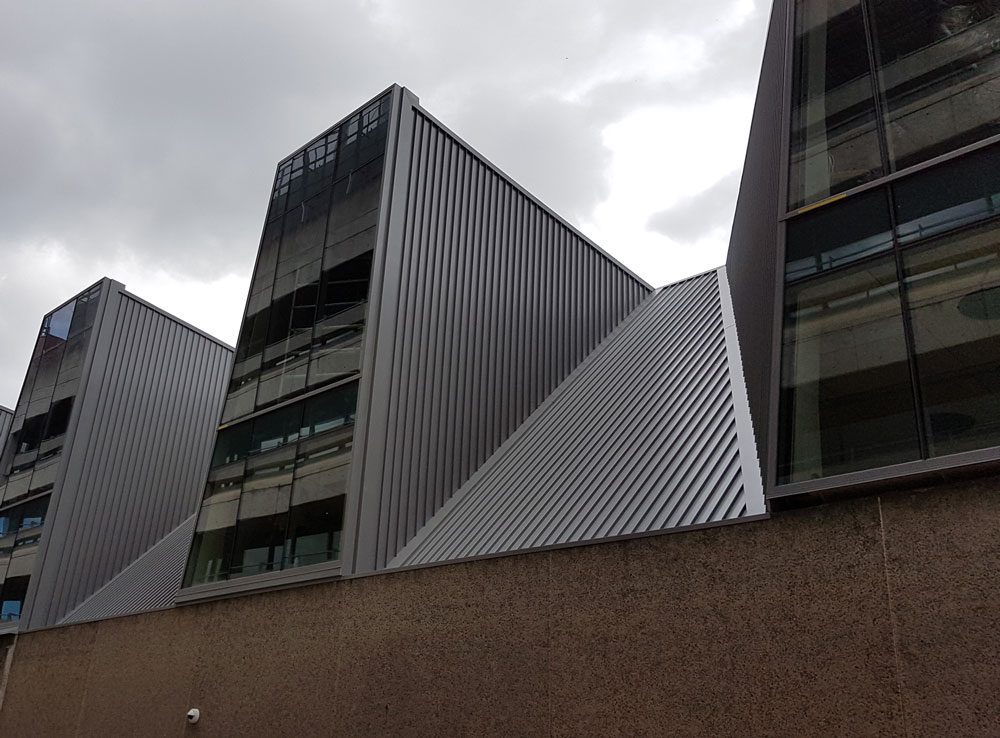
[648, 434]
[753, 248]
[488, 301]
[148, 583]
[133, 465]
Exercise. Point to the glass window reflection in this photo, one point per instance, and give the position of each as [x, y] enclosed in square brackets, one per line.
[834, 138]
[838, 234]
[954, 292]
[939, 73]
[846, 394]
[957, 193]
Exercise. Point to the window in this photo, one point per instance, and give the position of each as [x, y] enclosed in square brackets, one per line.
[846, 395]
[834, 143]
[838, 234]
[954, 292]
[14, 590]
[959, 192]
[936, 68]
[314, 532]
[875, 372]
[939, 74]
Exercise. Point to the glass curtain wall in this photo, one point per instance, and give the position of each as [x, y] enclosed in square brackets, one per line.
[30, 459]
[275, 492]
[882, 85]
[891, 338]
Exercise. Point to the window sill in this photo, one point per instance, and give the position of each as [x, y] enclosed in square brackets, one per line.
[898, 476]
[259, 583]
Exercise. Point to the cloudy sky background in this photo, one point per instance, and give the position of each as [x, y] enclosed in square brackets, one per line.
[139, 139]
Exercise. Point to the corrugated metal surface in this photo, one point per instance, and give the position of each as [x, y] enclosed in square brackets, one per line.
[135, 466]
[6, 418]
[753, 246]
[644, 436]
[488, 302]
[149, 583]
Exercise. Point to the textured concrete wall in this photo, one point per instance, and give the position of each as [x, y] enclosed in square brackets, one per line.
[877, 616]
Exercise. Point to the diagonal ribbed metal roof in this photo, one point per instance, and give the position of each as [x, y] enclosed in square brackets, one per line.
[650, 433]
[148, 583]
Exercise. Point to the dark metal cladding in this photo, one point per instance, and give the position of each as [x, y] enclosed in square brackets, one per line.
[134, 460]
[753, 249]
[489, 301]
[650, 433]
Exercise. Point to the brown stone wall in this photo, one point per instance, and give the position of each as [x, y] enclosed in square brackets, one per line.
[878, 616]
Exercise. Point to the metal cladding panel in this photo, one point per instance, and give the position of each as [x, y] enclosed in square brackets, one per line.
[149, 583]
[6, 420]
[644, 436]
[135, 467]
[752, 261]
[489, 301]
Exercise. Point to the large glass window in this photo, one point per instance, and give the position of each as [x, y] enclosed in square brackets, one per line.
[939, 73]
[846, 395]
[46, 401]
[834, 138]
[874, 372]
[954, 291]
[270, 475]
[274, 497]
[937, 69]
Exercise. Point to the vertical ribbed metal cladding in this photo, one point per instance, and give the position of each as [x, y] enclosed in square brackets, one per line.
[642, 437]
[492, 301]
[148, 583]
[752, 261]
[6, 420]
[137, 463]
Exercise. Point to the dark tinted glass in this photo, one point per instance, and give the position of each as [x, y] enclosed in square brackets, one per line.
[954, 293]
[15, 590]
[331, 409]
[846, 395]
[85, 310]
[938, 70]
[304, 233]
[314, 532]
[31, 433]
[232, 444]
[259, 545]
[838, 234]
[834, 140]
[276, 428]
[58, 419]
[953, 194]
[210, 554]
[33, 513]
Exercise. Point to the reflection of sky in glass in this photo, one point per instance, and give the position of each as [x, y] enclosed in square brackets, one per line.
[60, 320]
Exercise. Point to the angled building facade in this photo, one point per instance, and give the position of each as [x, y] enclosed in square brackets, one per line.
[114, 419]
[410, 307]
[865, 255]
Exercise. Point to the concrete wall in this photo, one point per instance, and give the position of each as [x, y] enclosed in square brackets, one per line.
[877, 616]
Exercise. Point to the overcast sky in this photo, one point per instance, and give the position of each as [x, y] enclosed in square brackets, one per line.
[139, 139]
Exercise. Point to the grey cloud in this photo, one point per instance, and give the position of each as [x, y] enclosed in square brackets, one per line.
[151, 130]
[699, 214]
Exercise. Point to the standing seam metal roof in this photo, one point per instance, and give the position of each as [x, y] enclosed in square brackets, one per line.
[648, 434]
[148, 583]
